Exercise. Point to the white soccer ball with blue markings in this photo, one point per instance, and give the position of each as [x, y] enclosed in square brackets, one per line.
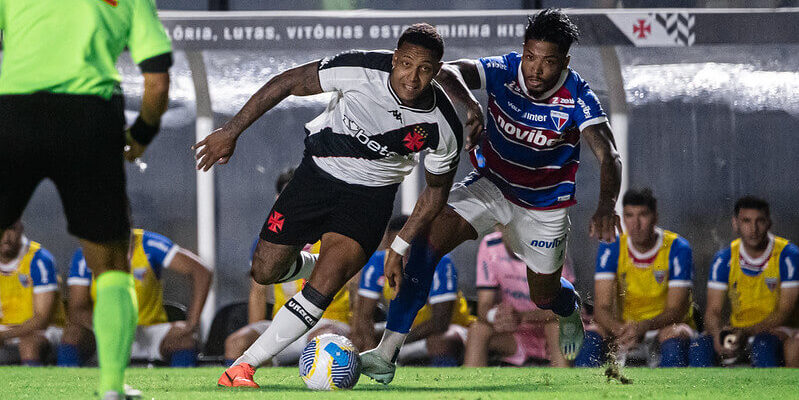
[330, 362]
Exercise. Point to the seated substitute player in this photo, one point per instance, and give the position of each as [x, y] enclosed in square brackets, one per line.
[335, 319]
[757, 274]
[642, 289]
[29, 301]
[509, 324]
[156, 338]
[385, 110]
[524, 179]
[438, 333]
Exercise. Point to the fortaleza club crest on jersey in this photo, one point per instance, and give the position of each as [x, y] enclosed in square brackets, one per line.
[559, 118]
[275, 222]
[415, 139]
[138, 274]
[660, 275]
[24, 280]
[771, 283]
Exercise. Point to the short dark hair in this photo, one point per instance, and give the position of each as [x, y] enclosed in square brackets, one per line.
[283, 179]
[640, 197]
[397, 223]
[752, 202]
[424, 35]
[552, 25]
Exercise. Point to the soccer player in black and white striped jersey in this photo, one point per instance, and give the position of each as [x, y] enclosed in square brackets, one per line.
[386, 110]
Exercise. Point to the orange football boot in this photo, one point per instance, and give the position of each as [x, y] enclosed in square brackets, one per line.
[240, 375]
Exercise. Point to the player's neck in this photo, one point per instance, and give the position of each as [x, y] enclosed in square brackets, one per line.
[755, 252]
[423, 101]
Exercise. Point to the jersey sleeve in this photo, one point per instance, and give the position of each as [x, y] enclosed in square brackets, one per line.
[720, 270]
[492, 69]
[147, 36]
[79, 273]
[159, 250]
[681, 265]
[485, 276]
[43, 273]
[351, 69]
[607, 260]
[372, 281]
[446, 156]
[445, 282]
[587, 111]
[789, 260]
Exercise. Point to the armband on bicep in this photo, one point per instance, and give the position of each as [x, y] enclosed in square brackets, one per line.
[157, 64]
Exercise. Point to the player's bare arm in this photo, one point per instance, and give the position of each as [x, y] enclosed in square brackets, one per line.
[713, 318]
[154, 104]
[780, 315]
[605, 223]
[677, 303]
[191, 266]
[486, 300]
[453, 83]
[79, 306]
[430, 203]
[43, 304]
[604, 309]
[441, 315]
[363, 327]
[218, 147]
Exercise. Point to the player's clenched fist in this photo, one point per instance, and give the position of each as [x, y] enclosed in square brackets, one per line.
[217, 147]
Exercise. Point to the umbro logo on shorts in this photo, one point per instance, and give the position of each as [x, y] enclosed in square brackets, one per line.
[275, 222]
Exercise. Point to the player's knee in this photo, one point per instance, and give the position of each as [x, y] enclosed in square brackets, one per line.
[766, 350]
[674, 331]
[265, 274]
[701, 352]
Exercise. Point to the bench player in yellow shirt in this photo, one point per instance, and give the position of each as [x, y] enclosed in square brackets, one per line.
[757, 274]
[31, 314]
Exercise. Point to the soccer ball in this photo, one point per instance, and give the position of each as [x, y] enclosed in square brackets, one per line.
[330, 362]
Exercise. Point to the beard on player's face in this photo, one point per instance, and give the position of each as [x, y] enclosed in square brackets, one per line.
[413, 68]
[752, 226]
[542, 64]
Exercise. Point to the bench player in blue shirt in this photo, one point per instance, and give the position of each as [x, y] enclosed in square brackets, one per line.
[524, 180]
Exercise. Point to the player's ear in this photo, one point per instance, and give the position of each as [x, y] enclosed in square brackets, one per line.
[438, 67]
[735, 224]
[394, 59]
[567, 59]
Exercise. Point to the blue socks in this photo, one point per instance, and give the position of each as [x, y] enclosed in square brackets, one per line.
[68, 356]
[415, 287]
[674, 353]
[565, 302]
[766, 351]
[701, 352]
[184, 359]
[591, 354]
[444, 361]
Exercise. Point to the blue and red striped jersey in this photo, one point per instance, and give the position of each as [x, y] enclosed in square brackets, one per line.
[532, 147]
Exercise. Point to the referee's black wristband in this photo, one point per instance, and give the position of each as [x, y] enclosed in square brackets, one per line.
[142, 132]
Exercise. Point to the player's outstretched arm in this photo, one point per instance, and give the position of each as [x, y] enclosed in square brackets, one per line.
[430, 203]
[452, 77]
[713, 317]
[189, 264]
[605, 222]
[604, 307]
[218, 147]
[441, 315]
[363, 326]
[43, 304]
[778, 317]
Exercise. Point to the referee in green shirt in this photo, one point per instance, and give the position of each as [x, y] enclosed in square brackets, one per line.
[61, 117]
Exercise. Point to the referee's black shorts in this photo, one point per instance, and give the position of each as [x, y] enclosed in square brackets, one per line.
[314, 203]
[77, 141]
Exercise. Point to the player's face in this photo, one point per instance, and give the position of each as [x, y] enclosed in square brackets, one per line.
[11, 241]
[753, 226]
[413, 68]
[542, 63]
[640, 223]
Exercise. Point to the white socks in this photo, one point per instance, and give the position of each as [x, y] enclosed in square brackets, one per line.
[293, 320]
[390, 345]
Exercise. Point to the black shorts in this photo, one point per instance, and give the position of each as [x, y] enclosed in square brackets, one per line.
[314, 203]
[77, 142]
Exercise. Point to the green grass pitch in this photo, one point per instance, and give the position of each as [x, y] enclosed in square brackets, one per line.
[421, 383]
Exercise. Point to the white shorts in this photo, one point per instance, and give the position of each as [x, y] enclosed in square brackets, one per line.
[291, 354]
[147, 343]
[537, 237]
[52, 334]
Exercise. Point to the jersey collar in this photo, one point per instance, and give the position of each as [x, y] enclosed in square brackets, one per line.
[563, 75]
[13, 264]
[649, 254]
[421, 110]
[757, 263]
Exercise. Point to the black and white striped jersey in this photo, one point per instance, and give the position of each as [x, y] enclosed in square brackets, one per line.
[366, 136]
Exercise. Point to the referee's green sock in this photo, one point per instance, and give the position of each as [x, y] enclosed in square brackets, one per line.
[115, 318]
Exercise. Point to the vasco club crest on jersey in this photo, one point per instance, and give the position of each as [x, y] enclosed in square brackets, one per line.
[415, 139]
[559, 118]
[275, 222]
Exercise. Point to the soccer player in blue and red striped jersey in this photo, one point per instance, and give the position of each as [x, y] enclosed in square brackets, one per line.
[524, 178]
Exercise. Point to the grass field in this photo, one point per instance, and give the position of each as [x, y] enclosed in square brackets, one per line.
[421, 383]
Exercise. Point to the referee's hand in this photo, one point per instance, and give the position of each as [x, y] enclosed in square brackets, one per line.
[133, 149]
[217, 147]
